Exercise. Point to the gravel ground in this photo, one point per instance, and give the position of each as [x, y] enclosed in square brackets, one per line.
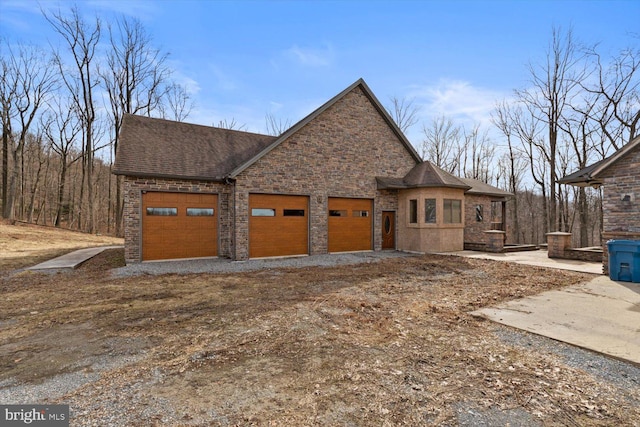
[624, 375]
[223, 265]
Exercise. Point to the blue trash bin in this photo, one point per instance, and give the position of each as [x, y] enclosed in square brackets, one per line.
[624, 260]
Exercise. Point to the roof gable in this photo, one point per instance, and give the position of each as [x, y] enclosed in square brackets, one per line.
[590, 175]
[296, 127]
[167, 149]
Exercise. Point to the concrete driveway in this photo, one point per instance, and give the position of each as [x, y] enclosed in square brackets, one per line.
[601, 315]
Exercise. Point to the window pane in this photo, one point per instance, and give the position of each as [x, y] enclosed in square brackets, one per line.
[479, 213]
[199, 211]
[452, 211]
[413, 211]
[263, 212]
[162, 211]
[430, 211]
[362, 214]
[293, 212]
[337, 213]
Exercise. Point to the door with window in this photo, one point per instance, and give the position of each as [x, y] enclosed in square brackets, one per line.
[388, 230]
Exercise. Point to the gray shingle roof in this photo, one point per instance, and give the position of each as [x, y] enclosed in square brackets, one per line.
[424, 174]
[479, 187]
[167, 149]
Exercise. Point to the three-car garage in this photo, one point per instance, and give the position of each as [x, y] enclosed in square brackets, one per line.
[185, 225]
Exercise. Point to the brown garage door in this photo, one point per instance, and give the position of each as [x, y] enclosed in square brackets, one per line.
[350, 224]
[179, 225]
[278, 225]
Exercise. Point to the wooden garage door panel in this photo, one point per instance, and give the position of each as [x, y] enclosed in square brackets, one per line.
[179, 236]
[278, 235]
[350, 233]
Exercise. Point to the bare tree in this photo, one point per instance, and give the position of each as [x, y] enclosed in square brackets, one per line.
[134, 76]
[403, 112]
[442, 144]
[478, 156]
[617, 88]
[553, 85]
[81, 80]
[275, 126]
[230, 124]
[177, 104]
[62, 128]
[27, 81]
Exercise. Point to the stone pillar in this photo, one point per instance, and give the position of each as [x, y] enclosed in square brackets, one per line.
[558, 242]
[495, 240]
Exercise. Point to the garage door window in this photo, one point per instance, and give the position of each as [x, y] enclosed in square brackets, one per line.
[361, 214]
[293, 212]
[263, 212]
[199, 211]
[162, 211]
[337, 213]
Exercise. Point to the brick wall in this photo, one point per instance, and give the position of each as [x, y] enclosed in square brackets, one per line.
[133, 188]
[474, 231]
[338, 154]
[621, 218]
[622, 179]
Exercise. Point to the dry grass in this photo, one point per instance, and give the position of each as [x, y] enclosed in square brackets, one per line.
[23, 245]
[388, 343]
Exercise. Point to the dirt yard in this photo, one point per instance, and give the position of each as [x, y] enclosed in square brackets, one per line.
[388, 343]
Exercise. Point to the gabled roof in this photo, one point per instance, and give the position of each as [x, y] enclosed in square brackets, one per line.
[484, 189]
[590, 176]
[293, 129]
[424, 174]
[167, 149]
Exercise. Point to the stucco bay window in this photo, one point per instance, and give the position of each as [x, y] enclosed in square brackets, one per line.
[452, 211]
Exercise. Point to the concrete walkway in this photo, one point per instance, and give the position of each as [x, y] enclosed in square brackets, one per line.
[72, 259]
[601, 315]
[539, 258]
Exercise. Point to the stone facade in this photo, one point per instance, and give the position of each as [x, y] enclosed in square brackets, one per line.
[133, 190]
[621, 201]
[337, 154]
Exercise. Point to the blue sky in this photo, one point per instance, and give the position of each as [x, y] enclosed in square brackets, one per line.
[244, 59]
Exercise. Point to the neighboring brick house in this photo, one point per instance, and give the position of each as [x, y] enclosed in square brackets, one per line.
[321, 186]
[619, 175]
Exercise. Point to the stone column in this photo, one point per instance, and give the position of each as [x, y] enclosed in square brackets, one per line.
[558, 242]
[495, 240]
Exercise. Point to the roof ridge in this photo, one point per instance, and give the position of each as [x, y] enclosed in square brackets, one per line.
[140, 116]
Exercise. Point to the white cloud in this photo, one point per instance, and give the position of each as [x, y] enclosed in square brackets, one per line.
[457, 99]
[310, 57]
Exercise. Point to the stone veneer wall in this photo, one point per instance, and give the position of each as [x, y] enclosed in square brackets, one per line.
[133, 188]
[621, 218]
[338, 154]
[474, 231]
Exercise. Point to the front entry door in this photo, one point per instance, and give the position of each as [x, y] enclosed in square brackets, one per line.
[388, 230]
